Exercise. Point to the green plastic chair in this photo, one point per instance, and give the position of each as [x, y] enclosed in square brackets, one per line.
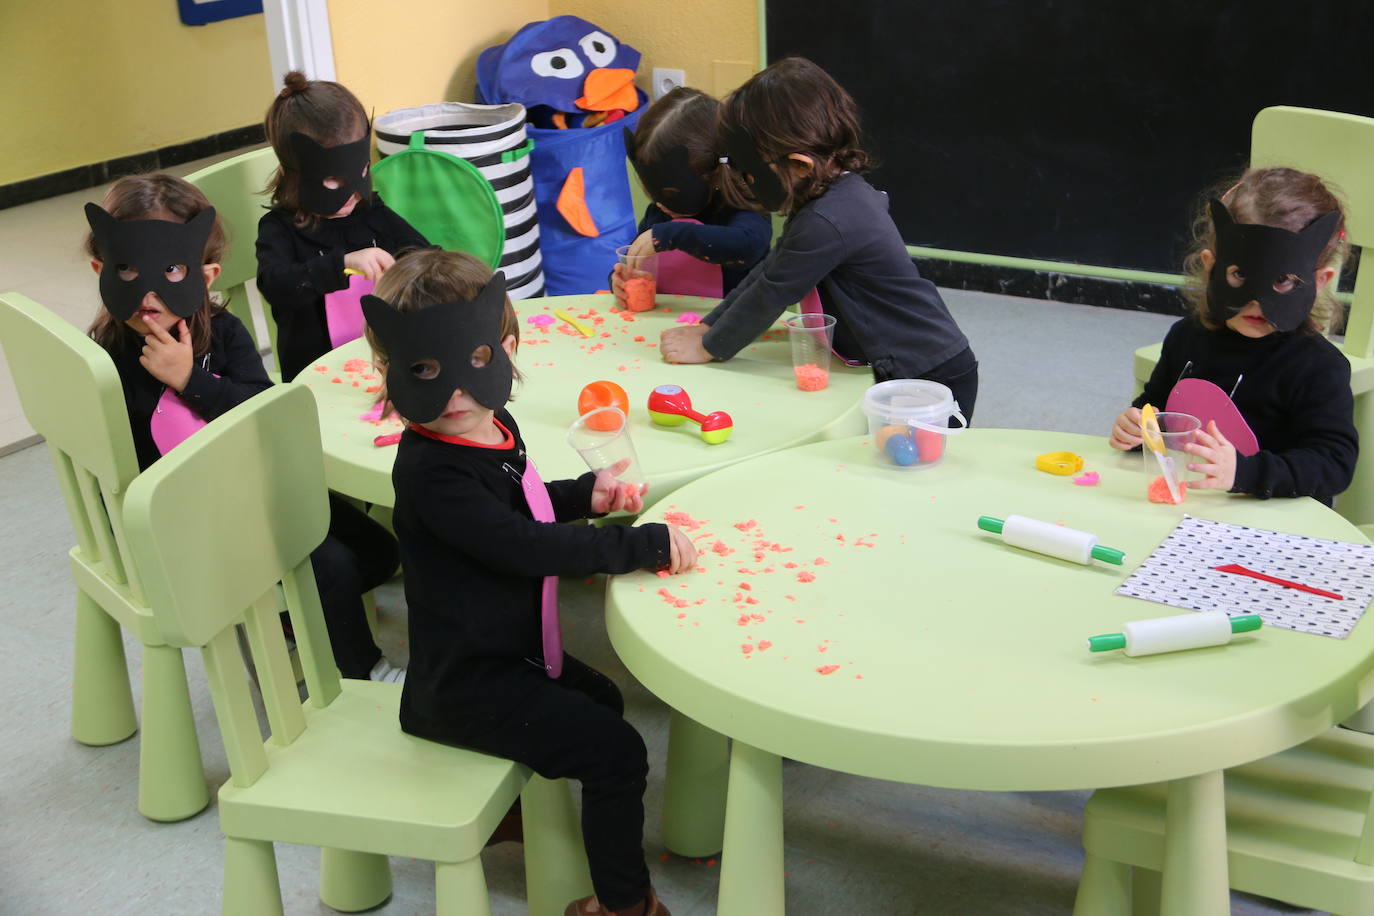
[234, 187]
[1298, 829]
[335, 771]
[71, 394]
[1339, 148]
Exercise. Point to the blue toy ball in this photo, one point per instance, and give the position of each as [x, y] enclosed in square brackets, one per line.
[901, 450]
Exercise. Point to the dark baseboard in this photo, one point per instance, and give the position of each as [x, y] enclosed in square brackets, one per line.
[1061, 287]
[88, 176]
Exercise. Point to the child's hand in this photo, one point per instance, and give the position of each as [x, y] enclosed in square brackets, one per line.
[167, 359]
[1126, 432]
[618, 284]
[611, 494]
[370, 262]
[683, 553]
[1211, 446]
[683, 345]
[643, 245]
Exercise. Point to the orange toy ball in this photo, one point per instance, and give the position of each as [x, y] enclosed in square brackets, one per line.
[602, 394]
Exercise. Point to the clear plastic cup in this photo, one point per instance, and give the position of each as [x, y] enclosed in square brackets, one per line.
[602, 438]
[812, 334]
[1177, 430]
[639, 273]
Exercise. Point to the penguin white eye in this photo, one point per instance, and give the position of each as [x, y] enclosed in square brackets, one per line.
[561, 64]
[599, 48]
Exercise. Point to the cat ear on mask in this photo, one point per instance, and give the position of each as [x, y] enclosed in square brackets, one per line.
[99, 220]
[1323, 226]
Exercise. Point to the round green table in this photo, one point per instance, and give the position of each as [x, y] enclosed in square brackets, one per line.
[756, 388]
[851, 615]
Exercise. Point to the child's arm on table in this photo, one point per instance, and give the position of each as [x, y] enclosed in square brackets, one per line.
[469, 517]
[807, 252]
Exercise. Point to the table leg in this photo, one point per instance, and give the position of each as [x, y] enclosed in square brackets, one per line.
[1196, 881]
[751, 882]
[694, 788]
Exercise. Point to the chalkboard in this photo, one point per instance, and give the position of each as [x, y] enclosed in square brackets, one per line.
[1072, 130]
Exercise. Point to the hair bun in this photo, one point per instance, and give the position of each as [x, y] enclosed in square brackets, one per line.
[292, 83]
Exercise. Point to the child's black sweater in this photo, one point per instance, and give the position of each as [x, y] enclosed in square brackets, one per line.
[474, 561]
[734, 239]
[232, 357]
[297, 265]
[1294, 392]
[845, 245]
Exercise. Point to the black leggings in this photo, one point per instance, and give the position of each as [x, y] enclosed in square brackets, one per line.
[355, 557]
[574, 728]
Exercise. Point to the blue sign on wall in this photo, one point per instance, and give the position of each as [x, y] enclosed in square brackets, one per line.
[200, 12]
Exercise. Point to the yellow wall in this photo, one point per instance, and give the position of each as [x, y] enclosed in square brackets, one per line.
[413, 52]
[83, 82]
[715, 41]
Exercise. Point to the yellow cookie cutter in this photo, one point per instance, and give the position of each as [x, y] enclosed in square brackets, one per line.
[1061, 463]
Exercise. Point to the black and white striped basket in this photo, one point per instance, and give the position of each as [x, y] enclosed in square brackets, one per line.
[492, 138]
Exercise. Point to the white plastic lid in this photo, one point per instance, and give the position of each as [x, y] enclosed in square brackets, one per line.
[903, 399]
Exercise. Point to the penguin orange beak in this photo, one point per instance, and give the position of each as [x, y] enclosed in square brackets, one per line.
[606, 90]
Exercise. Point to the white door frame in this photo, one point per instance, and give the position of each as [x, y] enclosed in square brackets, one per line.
[298, 38]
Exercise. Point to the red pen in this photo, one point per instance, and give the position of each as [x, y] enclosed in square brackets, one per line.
[1239, 570]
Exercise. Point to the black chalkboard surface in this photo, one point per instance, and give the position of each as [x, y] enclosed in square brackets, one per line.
[1072, 130]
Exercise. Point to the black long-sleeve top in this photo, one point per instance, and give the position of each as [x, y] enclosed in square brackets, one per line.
[734, 239]
[297, 265]
[474, 561]
[232, 357]
[845, 244]
[1294, 392]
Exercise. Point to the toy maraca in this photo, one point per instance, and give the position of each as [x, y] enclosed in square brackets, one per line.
[602, 394]
[669, 405]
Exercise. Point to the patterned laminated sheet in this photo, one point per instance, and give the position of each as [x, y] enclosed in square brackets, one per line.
[1181, 572]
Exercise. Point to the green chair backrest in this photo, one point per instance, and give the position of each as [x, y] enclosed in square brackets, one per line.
[1339, 148]
[220, 530]
[71, 394]
[234, 187]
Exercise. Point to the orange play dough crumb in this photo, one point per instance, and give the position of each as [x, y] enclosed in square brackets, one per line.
[805, 576]
[811, 377]
[355, 365]
[682, 520]
[827, 669]
[764, 645]
[745, 526]
[746, 648]
[1159, 491]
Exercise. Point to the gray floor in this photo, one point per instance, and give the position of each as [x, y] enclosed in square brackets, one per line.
[74, 842]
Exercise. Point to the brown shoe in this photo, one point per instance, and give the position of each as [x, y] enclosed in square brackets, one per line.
[590, 906]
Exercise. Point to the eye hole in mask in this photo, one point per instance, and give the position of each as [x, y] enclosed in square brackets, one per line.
[425, 369]
[334, 182]
[127, 273]
[481, 356]
[175, 273]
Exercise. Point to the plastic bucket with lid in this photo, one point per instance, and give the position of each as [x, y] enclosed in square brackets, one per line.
[908, 421]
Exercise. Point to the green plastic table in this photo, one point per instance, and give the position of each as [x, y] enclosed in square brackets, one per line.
[756, 388]
[851, 615]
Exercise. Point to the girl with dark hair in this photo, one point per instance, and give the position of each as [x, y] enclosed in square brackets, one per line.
[791, 141]
[674, 152]
[324, 217]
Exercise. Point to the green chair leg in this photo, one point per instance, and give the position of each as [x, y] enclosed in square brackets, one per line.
[171, 782]
[351, 882]
[694, 788]
[460, 889]
[250, 879]
[370, 611]
[555, 860]
[1104, 889]
[1196, 880]
[102, 703]
[1146, 885]
[751, 882]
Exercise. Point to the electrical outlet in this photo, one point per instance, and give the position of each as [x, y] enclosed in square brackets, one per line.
[665, 81]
